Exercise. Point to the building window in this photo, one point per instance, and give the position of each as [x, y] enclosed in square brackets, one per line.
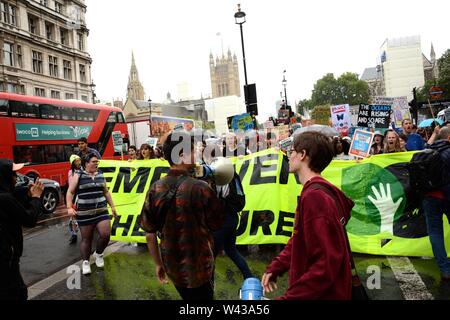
[33, 24]
[82, 73]
[55, 94]
[8, 54]
[44, 3]
[8, 13]
[50, 31]
[37, 62]
[53, 66]
[84, 98]
[39, 92]
[64, 34]
[19, 62]
[58, 7]
[69, 96]
[80, 41]
[67, 70]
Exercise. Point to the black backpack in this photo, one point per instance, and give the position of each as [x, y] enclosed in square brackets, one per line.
[428, 171]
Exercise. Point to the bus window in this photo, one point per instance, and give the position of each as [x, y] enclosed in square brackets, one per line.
[50, 112]
[29, 154]
[112, 118]
[120, 118]
[4, 108]
[68, 114]
[88, 115]
[24, 109]
[55, 153]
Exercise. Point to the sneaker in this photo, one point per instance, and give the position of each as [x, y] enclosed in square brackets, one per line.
[99, 260]
[86, 267]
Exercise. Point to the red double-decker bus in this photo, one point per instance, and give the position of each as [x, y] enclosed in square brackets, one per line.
[43, 133]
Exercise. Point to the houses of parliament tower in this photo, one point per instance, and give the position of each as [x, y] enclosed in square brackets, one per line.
[224, 76]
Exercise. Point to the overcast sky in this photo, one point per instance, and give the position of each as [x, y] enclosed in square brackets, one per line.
[172, 40]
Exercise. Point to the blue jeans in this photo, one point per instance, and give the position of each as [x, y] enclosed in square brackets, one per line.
[434, 210]
[225, 238]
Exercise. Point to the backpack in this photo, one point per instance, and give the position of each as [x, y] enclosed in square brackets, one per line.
[428, 171]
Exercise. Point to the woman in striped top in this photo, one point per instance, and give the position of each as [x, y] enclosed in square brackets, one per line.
[91, 210]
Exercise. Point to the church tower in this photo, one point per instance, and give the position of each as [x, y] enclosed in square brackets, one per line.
[135, 89]
[224, 76]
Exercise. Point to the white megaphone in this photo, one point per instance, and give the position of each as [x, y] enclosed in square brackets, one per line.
[221, 169]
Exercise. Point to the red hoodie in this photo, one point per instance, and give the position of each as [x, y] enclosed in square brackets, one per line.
[317, 256]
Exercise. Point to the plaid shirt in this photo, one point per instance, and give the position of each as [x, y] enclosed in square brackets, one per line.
[186, 242]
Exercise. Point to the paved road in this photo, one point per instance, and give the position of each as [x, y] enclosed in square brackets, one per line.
[129, 272]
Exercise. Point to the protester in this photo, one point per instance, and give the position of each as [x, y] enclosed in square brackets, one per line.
[377, 146]
[184, 211]
[415, 141]
[317, 256]
[436, 203]
[403, 140]
[14, 216]
[392, 142]
[75, 169]
[146, 152]
[84, 150]
[132, 153]
[91, 210]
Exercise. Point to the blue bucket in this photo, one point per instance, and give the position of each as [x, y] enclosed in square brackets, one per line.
[251, 290]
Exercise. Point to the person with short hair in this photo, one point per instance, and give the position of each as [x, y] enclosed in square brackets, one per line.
[184, 211]
[132, 153]
[318, 255]
[84, 149]
[91, 210]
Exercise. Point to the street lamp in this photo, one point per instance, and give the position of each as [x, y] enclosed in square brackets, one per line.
[239, 16]
[92, 85]
[150, 117]
[284, 82]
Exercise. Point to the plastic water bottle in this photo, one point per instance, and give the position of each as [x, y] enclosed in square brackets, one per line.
[251, 290]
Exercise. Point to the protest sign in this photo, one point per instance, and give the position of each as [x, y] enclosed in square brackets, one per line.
[361, 143]
[340, 118]
[374, 116]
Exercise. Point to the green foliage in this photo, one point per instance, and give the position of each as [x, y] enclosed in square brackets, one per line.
[346, 89]
[304, 105]
[444, 74]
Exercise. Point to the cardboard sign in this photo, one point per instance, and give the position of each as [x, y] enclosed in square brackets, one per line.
[374, 116]
[341, 119]
[117, 141]
[361, 143]
[153, 142]
[399, 107]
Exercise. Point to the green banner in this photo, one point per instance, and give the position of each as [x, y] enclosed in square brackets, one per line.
[32, 132]
[386, 219]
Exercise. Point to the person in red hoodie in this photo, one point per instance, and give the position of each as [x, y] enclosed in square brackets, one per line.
[317, 256]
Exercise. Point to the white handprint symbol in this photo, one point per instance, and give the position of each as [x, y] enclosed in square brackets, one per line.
[386, 206]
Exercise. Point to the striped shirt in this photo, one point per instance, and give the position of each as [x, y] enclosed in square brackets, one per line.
[90, 193]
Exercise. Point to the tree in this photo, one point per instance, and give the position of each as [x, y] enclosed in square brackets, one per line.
[346, 89]
[304, 105]
[444, 74]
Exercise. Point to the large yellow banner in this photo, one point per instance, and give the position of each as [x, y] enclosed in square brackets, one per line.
[386, 219]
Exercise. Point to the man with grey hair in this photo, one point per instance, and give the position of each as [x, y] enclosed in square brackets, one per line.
[436, 203]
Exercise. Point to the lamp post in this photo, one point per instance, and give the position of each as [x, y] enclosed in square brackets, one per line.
[239, 16]
[92, 85]
[150, 116]
[284, 82]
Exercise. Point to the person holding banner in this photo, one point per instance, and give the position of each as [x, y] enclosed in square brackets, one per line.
[318, 254]
[184, 211]
[392, 142]
[146, 152]
[132, 153]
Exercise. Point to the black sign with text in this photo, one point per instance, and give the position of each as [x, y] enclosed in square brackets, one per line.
[374, 116]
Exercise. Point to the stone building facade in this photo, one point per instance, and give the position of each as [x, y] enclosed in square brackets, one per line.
[44, 49]
[224, 76]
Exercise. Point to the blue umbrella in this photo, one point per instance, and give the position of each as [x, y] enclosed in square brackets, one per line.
[428, 123]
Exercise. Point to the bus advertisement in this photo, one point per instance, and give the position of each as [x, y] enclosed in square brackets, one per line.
[43, 133]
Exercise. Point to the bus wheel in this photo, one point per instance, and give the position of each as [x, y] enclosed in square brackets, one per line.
[49, 200]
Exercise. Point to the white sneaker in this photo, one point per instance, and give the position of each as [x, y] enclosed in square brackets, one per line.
[86, 267]
[99, 260]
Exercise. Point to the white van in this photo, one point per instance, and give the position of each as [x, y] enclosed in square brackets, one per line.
[441, 115]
